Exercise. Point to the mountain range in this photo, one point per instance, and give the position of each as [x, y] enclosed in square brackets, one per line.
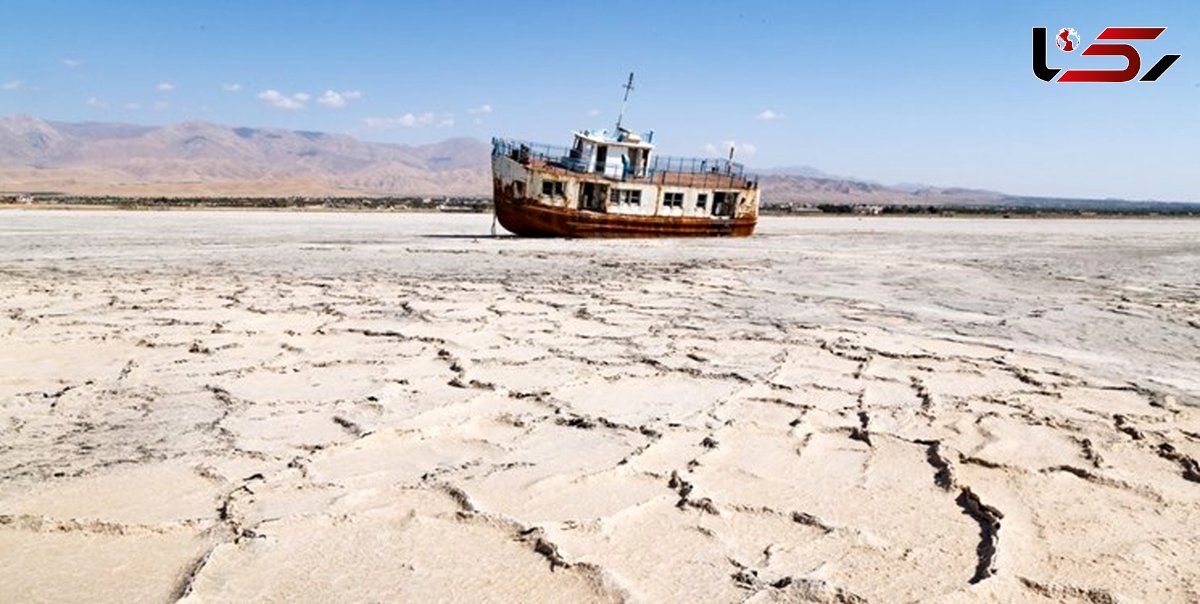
[200, 159]
[203, 159]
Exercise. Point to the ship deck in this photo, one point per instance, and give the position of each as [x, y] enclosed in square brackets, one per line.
[695, 172]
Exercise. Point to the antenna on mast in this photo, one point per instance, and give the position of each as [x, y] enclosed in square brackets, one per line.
[628, 86]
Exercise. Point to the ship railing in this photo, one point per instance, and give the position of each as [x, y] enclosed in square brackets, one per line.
[663, 169]
[524, 151]
[708, 172]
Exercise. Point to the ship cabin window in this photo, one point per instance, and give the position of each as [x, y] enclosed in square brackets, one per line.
[552, 187]
[701, 200]
[629, 196]
[673, 200]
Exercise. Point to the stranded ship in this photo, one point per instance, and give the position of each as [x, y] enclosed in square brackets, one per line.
[613, 184]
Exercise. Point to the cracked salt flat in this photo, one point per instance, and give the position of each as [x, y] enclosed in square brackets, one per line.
[837, 410]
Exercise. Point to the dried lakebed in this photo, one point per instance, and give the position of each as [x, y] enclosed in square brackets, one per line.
[267, 406]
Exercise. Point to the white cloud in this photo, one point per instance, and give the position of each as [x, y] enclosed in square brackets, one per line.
[593, 113]
[743, 148]
[446, 122]
[483, 109]
[301, 96]
[337, 100]
[161, 105]
[280, 101]
[740, 149]
[132, 106]
[72, 62]
[231, 87]
[332, 99]
[164, 87]
[768, 116]
[408, 120]
[13, 85]
[97, 103]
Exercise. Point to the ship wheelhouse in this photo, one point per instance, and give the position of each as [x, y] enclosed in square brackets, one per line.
[622, 157]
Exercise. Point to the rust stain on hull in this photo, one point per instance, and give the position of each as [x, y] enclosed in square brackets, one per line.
[527, 218]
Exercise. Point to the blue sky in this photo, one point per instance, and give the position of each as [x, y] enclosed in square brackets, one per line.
[930, 92]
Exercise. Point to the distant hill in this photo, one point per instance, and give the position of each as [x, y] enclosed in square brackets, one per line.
[786, 189]
[199, 159]
[805, 171]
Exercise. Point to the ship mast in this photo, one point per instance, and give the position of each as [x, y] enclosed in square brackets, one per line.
[628, 86]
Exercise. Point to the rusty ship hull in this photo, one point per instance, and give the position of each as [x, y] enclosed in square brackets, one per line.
[528, 218]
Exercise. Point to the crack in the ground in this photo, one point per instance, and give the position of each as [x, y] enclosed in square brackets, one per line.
[1122, 425]
[1189, 468]
[42, 524]
[1058, 592]
[683, 489]
[535, 538]
[235, 532]
[790, 588]
[944, 475]
[988, 518]
[1095, 478]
